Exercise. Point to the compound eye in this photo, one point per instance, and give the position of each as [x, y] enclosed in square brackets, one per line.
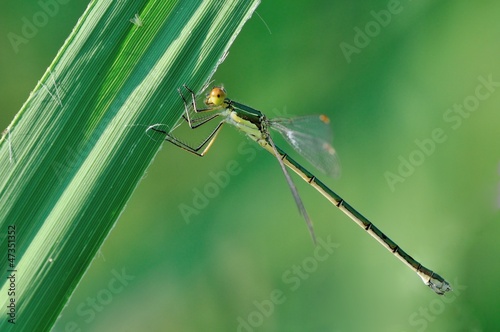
[216, 96]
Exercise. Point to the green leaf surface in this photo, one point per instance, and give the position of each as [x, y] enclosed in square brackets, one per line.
[78, 147]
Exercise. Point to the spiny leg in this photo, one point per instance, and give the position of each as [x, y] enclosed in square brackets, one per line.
[192, 122]
[195, 123]
[207, 142]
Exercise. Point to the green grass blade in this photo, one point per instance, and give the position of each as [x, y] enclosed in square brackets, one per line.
[76, 150]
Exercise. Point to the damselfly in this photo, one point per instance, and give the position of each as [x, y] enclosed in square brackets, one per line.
[310, 136]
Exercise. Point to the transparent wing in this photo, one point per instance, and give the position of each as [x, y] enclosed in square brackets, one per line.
[292, 187]
[311, 136]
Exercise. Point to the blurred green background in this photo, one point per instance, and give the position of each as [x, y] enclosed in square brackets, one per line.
[221, 268]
